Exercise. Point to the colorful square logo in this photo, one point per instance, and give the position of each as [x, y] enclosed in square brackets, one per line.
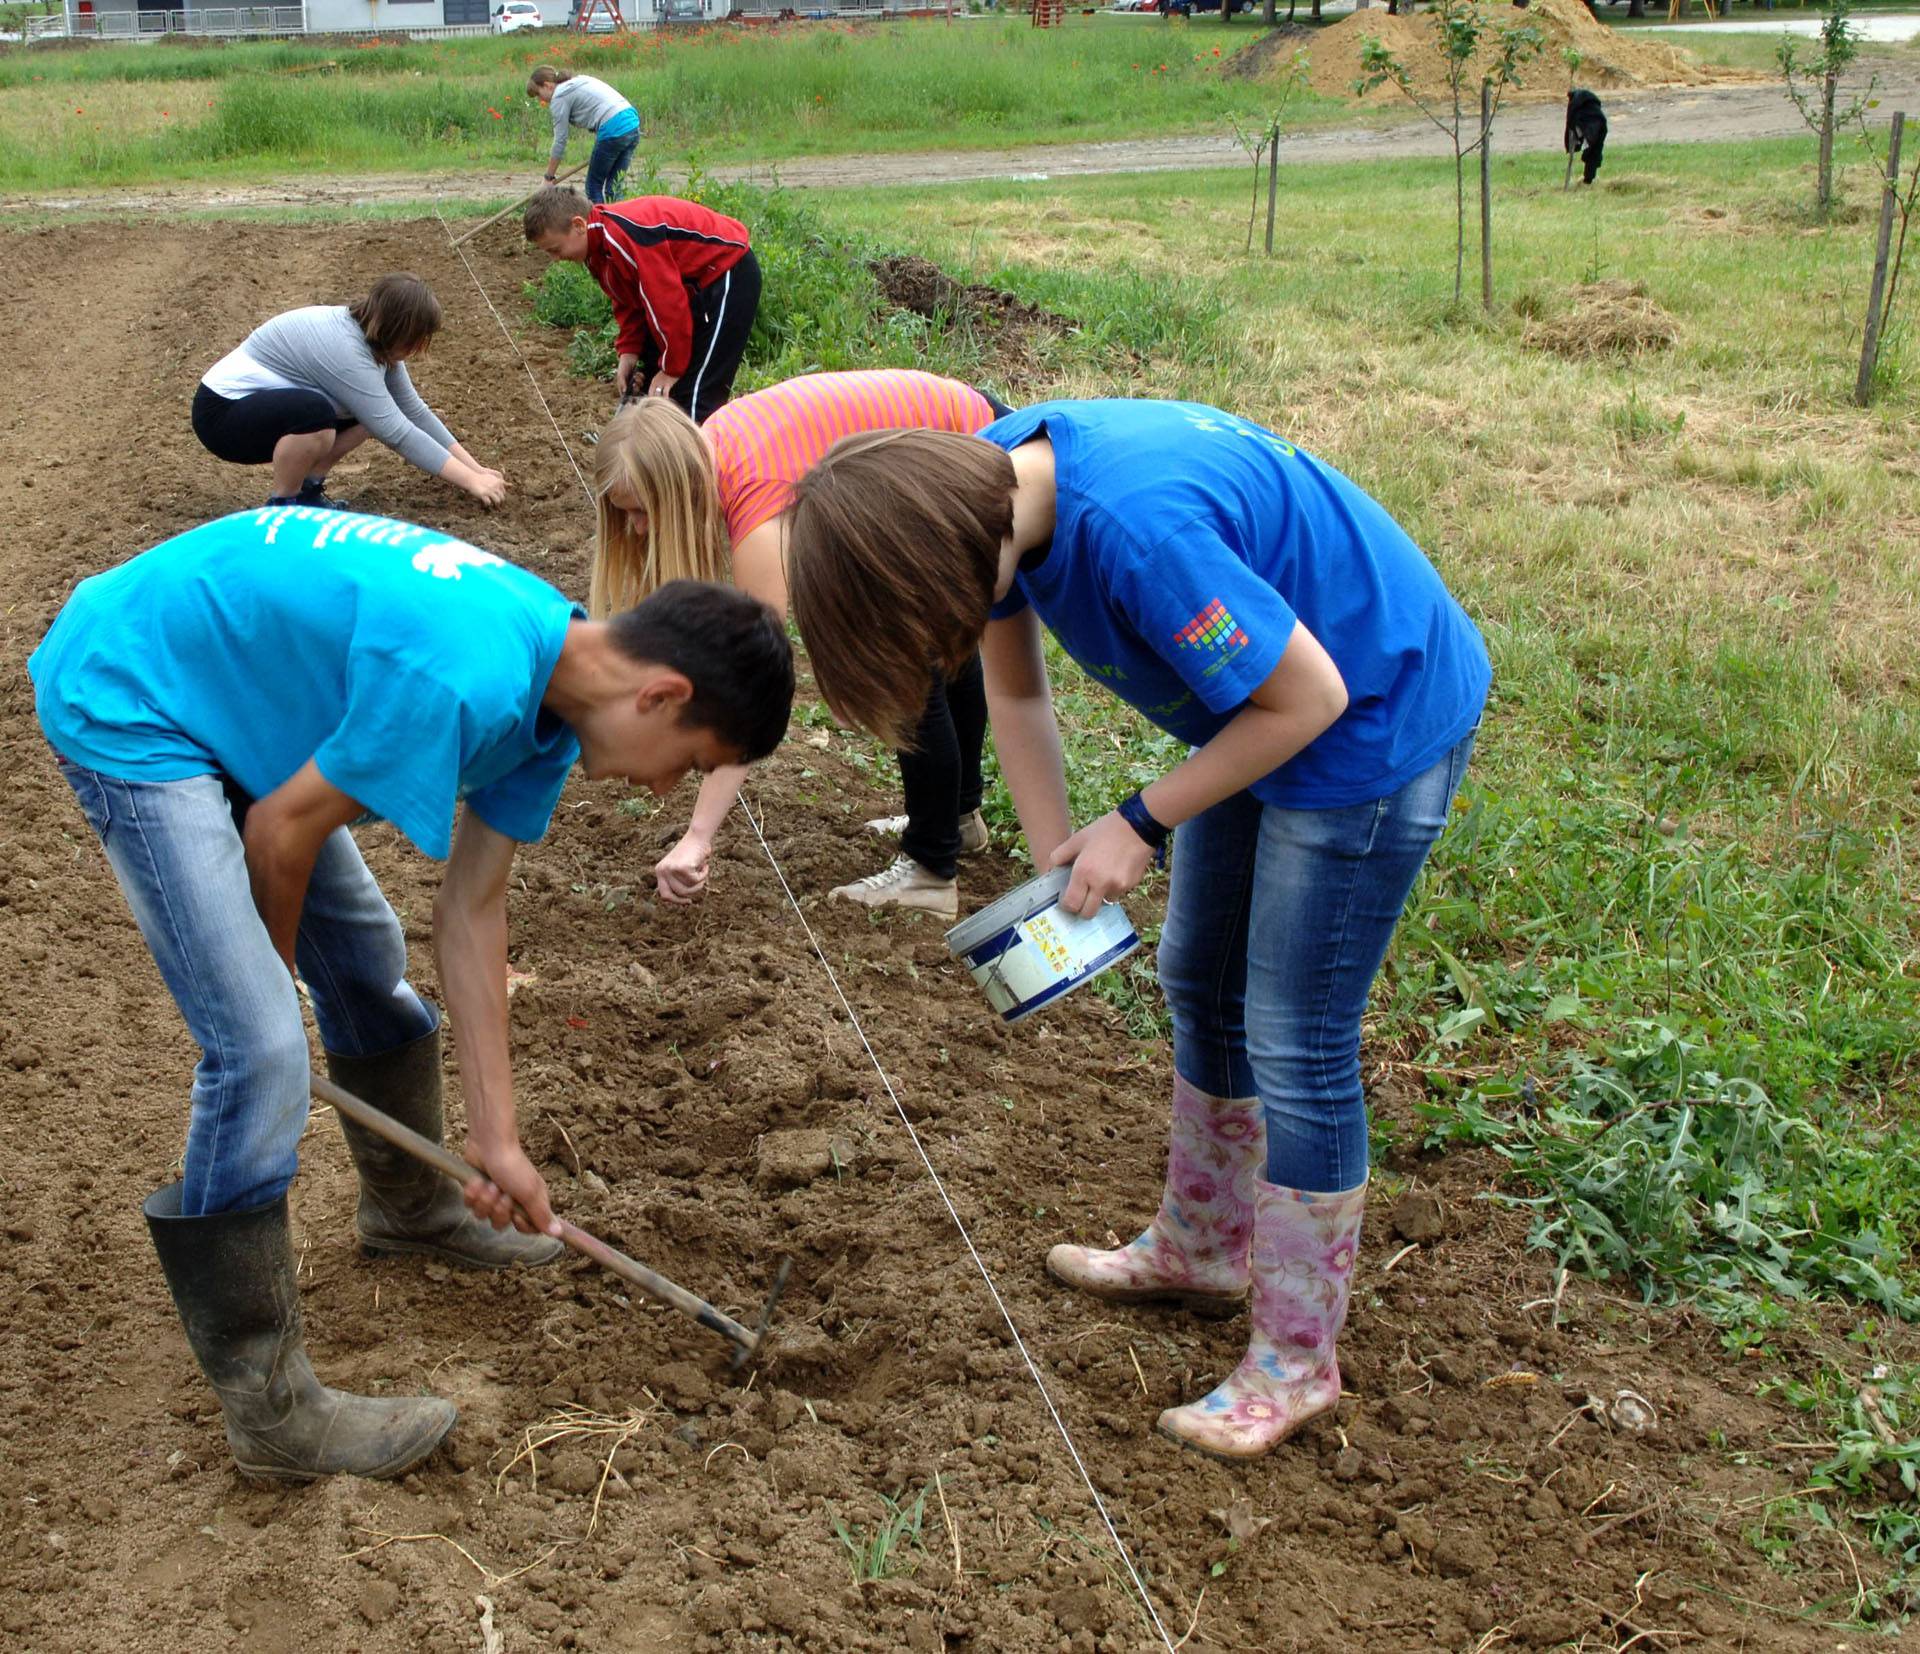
[1211, 630]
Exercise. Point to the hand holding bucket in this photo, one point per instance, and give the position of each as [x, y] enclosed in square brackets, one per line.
[1026, 950]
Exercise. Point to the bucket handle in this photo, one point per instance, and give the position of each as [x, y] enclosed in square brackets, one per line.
[993, 970]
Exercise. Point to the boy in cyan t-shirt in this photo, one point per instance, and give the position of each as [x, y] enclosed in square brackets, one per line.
[223, 706]
[1253, 602]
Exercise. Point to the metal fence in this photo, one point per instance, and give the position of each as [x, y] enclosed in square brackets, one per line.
[218, 21]
[136, 25]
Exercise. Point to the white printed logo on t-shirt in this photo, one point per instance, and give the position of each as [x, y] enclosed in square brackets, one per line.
[447, 558]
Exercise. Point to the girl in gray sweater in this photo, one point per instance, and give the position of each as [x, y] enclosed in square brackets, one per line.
[580, 100]
[308, 387]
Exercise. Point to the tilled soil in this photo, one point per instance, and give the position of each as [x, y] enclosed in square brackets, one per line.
[694, 1093]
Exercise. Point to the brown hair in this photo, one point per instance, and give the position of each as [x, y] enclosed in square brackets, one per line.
[546, 75]
[552, 209]
[398, 315]
[893, 546]
[658, 455]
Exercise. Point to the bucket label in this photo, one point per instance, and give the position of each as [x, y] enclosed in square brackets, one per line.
[1047, 953]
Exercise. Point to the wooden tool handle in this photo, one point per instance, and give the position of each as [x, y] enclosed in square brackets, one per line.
[468, 235]
[449, 1164]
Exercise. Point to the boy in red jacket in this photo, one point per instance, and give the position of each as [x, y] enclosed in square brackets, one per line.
[682, 279]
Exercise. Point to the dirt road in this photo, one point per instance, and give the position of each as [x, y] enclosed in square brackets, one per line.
[1658, 115]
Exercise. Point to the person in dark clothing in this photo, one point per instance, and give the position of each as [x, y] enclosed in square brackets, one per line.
[1586, 130]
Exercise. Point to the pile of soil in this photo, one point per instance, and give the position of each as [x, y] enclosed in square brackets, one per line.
[692, 1091]
[1606, 318]
[1609, 57]
[1012, 331]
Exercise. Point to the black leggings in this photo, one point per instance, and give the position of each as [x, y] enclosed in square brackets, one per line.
[244, 430]
[723, 313]
[941, 775]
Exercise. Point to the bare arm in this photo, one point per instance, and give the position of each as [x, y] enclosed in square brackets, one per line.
[282, 839]
[1300, 699]
[1025, 732]
[681, 874]
[470, 943]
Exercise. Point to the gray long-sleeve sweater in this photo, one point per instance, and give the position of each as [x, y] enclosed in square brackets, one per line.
[580, 101]
[322, 347]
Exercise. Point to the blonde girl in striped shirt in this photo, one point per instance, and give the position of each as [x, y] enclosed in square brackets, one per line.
[708, 502]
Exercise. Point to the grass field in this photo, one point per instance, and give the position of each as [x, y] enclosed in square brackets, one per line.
[131, 114]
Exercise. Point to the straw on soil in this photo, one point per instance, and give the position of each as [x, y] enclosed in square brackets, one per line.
[1608, 318]
[1609, 57]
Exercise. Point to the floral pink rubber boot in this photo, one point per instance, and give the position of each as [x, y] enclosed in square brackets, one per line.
[1194, 1252]
[1304, 1249]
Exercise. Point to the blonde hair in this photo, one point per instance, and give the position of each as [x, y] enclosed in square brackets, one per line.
[658, 454]
[893, 547]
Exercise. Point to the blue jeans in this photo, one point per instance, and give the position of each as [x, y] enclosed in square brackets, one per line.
[175, 848]
[1277, 923]
[608, 163]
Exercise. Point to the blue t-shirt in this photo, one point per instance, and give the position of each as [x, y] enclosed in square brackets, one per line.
[408, 665]
[618, 126]
[1186, 545]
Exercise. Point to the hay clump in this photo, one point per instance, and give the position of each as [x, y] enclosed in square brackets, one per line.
[1608, 318]
[1609, 57]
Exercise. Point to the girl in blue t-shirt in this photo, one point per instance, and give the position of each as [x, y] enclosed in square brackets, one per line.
[1255, 603]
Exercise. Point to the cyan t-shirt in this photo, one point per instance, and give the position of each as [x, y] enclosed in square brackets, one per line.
[409, 665]
[1186, 545]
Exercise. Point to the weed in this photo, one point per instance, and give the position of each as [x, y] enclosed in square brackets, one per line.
[893, 1545]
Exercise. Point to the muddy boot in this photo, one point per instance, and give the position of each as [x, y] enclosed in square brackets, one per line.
[231, 1276]
[1194, 1252]
[405, 1206]
[1304, 1250]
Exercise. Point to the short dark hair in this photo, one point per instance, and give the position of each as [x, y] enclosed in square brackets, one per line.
[553, 208]
[398, 314]
[731, 647]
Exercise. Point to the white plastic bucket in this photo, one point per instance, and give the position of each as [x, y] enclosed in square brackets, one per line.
[1024, 952]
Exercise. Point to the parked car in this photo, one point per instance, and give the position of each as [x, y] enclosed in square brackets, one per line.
[680, 13]
[517, 14]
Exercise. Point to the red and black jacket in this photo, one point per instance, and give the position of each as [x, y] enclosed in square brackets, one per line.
[646, 254]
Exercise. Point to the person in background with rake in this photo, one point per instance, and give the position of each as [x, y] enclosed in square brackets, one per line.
[708, 502]
[1254, 603]
[580, 100]
[224, 706]
[303, 390]
[682, 280]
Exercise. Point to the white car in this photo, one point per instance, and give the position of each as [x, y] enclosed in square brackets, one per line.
[516, 14]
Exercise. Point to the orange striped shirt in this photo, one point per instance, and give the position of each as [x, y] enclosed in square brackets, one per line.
[764, 443]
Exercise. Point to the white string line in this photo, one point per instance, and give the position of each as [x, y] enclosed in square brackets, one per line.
[979, 1263]
[513, 345]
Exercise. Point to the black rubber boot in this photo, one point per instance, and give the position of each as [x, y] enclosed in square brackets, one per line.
[231, 1276]
[405, 1206]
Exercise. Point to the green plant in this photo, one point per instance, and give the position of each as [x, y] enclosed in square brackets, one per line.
[1813, 85]
[1465, 32]
[889, 1547]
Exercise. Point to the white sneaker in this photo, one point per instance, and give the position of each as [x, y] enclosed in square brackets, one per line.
[973, 830]
[905, 884]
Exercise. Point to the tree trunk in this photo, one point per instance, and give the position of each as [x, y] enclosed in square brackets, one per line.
[1316, 11]
[1266, 12]
[1636, 8]
[1486, 197]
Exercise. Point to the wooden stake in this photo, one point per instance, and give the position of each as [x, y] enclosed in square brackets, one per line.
[468, 235]
[1273, 173]
[1486, 194]
[1870, 335]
